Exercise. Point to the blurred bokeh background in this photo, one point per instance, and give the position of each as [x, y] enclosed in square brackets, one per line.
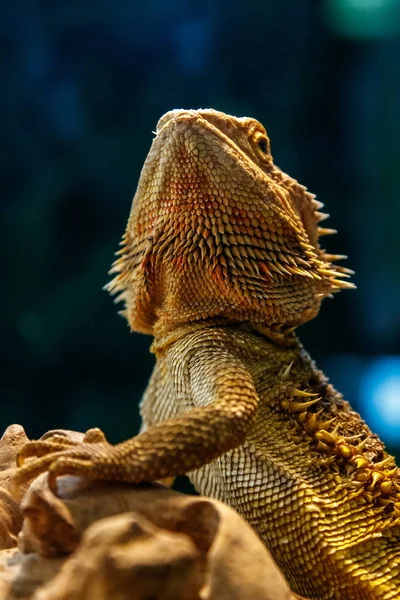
[82, 87]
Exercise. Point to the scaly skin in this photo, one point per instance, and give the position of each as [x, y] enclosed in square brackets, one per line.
[221, 262]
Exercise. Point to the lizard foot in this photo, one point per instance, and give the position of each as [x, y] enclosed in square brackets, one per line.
[60, 455]
[57, 442]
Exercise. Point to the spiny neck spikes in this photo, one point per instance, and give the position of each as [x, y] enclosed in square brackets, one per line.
[217, 231]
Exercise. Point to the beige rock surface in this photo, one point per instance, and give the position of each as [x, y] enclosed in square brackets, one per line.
[126, 557]
[10, 515]
[115, 542]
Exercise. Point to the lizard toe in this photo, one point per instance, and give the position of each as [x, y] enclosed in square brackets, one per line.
[42, 448]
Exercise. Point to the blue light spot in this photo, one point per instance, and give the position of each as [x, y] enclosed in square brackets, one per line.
[380, 397]
[364, 18]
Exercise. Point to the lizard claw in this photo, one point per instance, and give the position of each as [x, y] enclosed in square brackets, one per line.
[68, 465]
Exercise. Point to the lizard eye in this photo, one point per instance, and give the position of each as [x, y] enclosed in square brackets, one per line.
[262, 144]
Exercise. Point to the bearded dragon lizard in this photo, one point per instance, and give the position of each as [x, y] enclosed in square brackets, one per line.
[221, 262]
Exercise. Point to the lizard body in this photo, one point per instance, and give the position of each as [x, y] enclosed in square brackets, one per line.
[221, 262]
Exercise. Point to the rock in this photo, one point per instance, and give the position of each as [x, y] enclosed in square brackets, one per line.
[238, 564]
[12, 440]
[108, 541]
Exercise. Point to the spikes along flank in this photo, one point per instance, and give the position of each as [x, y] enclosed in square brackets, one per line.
[386, 487]
[383, 463]
[335, 429]
[360, 447]
[321, 447]
[295, 406]
[360, 462]
[350, 438]
[358, 485]
[363, 475]
[311, 426]
[384, 501]
[392, 472]
[325, 436]
[328, 423]
[296, 392]
[375, 478]
[286, 372]
[345, 451]
[302, 417]
[349, 469]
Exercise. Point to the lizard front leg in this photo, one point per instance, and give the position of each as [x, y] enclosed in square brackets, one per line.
[171, 448]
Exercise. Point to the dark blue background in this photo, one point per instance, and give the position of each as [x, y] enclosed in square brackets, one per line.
[82, 87]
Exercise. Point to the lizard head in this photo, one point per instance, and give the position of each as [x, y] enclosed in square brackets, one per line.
[217, 231]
